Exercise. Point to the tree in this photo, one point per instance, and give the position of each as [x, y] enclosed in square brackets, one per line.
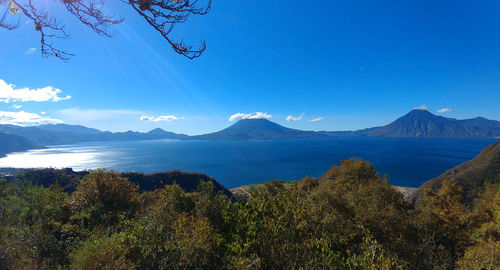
[106, 252]
[162, 15]
[32, 230]
[103, 199]
[485, 251]
[443, 223]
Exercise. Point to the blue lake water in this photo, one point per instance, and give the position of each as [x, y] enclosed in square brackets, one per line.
[406, 161]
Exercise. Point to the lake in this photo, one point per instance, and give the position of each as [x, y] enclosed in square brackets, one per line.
[406, 161]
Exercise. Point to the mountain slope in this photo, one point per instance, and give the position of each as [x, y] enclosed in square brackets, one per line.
[13, 143]
[472, 175]
[422, 123]
[134, 135]
[258, 129]
[68, 134]
[41, 136]
[159, 133]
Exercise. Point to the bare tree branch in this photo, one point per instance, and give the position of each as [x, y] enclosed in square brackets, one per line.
[90, 13]
[162, 15]
[48, 28]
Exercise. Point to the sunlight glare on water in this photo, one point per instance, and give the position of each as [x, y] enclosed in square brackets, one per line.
[76, 157]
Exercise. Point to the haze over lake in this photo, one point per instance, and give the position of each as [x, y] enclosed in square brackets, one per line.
[406, 161]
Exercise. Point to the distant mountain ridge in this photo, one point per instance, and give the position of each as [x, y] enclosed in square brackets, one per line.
[67, 134]
[78, 129]
[416, 123]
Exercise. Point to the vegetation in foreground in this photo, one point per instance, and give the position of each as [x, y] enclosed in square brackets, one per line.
[348, 219]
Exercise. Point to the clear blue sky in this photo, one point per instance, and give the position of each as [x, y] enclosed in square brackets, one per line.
[356, 64]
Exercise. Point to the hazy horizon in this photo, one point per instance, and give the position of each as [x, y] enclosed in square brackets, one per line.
[228, 125]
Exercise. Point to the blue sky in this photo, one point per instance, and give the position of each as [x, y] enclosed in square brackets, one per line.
[356, 64]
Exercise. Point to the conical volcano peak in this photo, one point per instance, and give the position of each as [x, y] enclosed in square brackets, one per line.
[246, 129]
[420, 122]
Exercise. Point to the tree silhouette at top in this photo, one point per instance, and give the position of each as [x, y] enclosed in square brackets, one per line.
[162, 15]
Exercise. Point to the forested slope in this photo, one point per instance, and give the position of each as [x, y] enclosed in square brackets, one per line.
[473, 176]
[350, 219]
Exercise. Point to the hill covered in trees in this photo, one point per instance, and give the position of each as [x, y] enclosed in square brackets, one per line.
[350, 218]
[69, 180]
[473, 176]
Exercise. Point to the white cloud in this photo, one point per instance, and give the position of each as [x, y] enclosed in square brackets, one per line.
[317, 119]
[77, 115]
[445, 110]
[9, 94]
[293, 118]
[15, 106]
[422, 108]
[167, 118]
[43, 113]
[31, 51]
[255, 115]
[25, 118]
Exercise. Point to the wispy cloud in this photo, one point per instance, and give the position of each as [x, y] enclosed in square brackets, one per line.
[23, 118]
[293, 118]
[16, 106]
[255, 115]
[445, 110]
[8, 93]
[31, 51]
[159, 118]
[78, 115]
[317, 119]
[422, 107]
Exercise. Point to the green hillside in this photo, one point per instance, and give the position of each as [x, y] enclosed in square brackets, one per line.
[473, 175]
[69, 179]
[350, 219]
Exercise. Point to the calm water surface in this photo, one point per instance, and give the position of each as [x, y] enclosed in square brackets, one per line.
[407, 162]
